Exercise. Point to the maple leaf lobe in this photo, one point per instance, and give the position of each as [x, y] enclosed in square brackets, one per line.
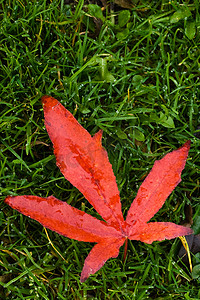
[83, 161]
[158, 185]
[63, 218]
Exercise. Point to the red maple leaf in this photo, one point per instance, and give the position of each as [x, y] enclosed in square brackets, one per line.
[84, 162]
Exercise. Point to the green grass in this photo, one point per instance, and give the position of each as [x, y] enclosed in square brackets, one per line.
[139, 82]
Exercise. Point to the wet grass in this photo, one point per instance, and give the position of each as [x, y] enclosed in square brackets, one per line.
[139, 82]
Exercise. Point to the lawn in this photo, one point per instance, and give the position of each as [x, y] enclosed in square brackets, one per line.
[131, 70]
